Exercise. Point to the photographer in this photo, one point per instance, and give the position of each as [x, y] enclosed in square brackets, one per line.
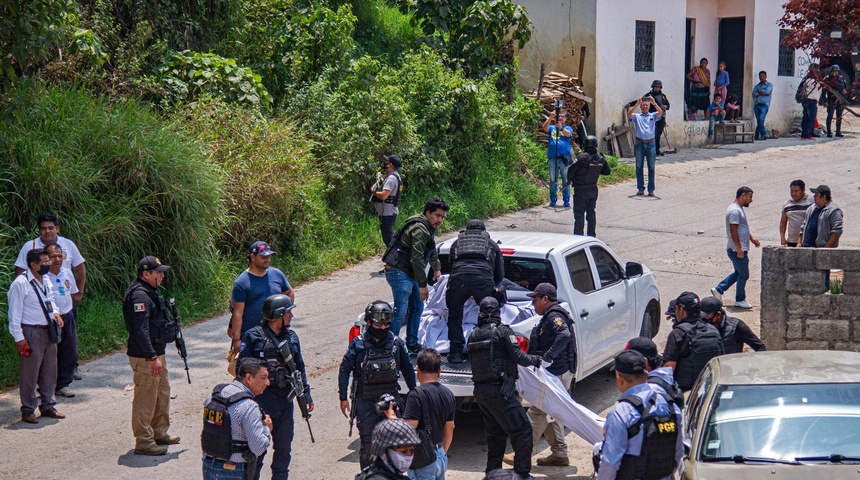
[370, 358]
[558, 153]
[386, 196]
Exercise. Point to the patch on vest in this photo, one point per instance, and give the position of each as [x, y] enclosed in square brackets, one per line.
[139, 307]
[513, 339]
[557, 322]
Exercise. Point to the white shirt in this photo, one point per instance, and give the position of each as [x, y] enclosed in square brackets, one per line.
[63, 285]
[24, 308]
[71, 256]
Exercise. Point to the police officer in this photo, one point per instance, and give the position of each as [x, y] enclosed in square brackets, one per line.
[231, 448]
[393, 447]
[622, 447]
[660, 378]
[270, 342]
[477, 268]
[734, 331]
[385, 195]
[583, 175]
[554, 341]
[376, 360]
[692, 343]
[149, 330]
[494, 354]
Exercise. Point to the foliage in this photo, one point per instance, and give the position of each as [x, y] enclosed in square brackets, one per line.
[383, 31]
[188, 75]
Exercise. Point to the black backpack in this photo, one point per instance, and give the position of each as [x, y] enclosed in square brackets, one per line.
[800, 95]
[656, 460]
[702, 342]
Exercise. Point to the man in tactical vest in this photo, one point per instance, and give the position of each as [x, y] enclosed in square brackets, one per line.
[734, 332]
[407, 257]
[278, 345]
[477, 269]
[376, 360]
[494, 354]
[660, 378]
[553, 340]
[235, 429]
[583, 175]
[149, 331]
[386, 196]
[691, 343]
[643, 432]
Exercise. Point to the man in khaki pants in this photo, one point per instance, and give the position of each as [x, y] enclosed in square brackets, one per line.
[149, 330]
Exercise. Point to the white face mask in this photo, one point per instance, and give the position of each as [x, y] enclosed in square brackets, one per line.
[399, 461]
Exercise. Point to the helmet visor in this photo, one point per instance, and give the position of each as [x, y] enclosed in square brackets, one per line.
[381, 318]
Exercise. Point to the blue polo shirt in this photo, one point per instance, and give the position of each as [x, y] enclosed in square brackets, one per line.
[645, 124]
[253, 290]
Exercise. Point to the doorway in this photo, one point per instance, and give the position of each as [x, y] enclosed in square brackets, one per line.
[731, 50]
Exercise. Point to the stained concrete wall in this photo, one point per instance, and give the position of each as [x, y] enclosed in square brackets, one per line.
[795, 313]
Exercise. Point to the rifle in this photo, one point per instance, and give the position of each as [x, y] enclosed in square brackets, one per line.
[379, 179]
[295, 376]
[352, 396]
[180, 340]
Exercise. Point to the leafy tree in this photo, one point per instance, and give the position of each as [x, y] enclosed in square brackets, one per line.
[810, 23]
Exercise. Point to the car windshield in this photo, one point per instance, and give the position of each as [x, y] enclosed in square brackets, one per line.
[783, 422]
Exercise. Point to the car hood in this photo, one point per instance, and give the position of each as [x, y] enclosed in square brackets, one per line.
[722, 471]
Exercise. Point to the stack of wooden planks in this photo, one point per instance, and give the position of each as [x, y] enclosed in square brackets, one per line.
[558, 86]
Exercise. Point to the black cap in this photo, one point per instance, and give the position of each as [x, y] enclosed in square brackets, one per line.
[261, 248]
[630, 362]
[643, 345]
[475, 224]
[150, 263]
[690, 302]
[394, 160]
[711, 305]
[544, 289]
[670, 310]
[822, 189]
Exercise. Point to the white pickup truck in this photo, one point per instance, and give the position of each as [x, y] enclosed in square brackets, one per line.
[610, 302]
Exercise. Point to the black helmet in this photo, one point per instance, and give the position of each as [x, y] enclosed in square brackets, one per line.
[392, 433]
[489, 311]
[590, 142]
[379, 311]
[276, 306]
[656, 83]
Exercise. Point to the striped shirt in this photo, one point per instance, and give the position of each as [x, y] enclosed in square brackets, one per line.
[246, 422]
[796, 213]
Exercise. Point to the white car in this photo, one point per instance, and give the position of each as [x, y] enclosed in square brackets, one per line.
[610, 301]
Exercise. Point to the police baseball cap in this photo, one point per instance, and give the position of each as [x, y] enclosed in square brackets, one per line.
[690, 302]
[630, 362]
[151, 263]
[643, 345]
[544, 289]
[822, 189]
[710, 305]
[394, 160]
[670, 310]
[261, 248]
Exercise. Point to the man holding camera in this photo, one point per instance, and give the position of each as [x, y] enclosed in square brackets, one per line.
[645, 125]
[376, 360]
[558, 153]
[386, 196]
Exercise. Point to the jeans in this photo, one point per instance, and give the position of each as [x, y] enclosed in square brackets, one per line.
[760, 112]
[277, 404]
[214, 470]
[642, 150]
[407, 303]
[557, 168]
[714, 119]
[434, 471]
[740, 275]
[810, 110]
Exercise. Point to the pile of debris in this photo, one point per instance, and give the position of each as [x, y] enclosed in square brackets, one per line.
[557, 86]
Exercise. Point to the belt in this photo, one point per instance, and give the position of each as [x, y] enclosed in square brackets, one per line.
[43, 327]
[643, 140]
[210, 457]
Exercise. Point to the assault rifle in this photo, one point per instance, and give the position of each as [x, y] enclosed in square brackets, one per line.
[295, 376]
[180, 340]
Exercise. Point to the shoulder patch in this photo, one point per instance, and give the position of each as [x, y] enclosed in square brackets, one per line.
[557, 322]
[241, 346]
[513, 339]
[139, 307]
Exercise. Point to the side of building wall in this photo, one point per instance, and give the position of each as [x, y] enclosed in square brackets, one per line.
[795, 313]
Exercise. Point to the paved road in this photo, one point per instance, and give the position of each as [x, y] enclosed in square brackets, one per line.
[693, 188]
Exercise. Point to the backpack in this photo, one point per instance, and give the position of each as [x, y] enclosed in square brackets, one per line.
[702, 342]
[656, 460]
[801, 95]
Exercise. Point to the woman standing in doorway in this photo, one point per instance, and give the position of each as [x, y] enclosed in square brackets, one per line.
[699, 97]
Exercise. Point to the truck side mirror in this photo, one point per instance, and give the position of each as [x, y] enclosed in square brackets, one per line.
[632, 269]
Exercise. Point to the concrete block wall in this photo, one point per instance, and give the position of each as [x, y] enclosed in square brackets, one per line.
[796, 314]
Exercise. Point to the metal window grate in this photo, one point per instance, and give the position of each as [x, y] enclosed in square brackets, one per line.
[786, 57]
[644, 59]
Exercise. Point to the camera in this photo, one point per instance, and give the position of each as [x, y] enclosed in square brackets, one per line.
[384, 403]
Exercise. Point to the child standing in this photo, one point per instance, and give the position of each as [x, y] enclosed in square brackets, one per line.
[722, 80]
[716, 112]
[733, 110]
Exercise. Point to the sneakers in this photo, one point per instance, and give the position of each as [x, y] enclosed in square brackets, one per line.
[744, 304]
[153, 451]
[168, 440]
[65, 392]
[554, 461]
[716, 294]
[77, 375]
[509, 458]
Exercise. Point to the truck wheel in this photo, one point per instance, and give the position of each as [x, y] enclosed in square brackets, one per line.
[650, 320]
[645, 331]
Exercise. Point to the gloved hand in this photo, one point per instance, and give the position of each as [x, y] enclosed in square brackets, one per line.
[545, 364]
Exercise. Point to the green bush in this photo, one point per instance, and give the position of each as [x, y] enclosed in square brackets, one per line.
[188, 75]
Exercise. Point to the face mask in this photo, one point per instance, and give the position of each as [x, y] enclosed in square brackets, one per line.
[399, 461]
[378, 333]
[44, 269]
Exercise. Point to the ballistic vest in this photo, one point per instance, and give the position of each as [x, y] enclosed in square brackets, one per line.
[393, 197]
[217, 437]
[702, 342]
[588, 175]
[656, 459]
[379, 372]
[567, 358]
[673, 390]
[404, 252]
[162, 330]
[729, 327]
[473, 243]
[487, 353]
[279, 376]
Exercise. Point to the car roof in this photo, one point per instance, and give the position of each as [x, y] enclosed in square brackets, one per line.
[531, 242]
[788, 367]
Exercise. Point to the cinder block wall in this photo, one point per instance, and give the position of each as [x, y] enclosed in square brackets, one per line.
[796, 314]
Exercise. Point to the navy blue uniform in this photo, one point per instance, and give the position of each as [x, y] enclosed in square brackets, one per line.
[276, 401]
[353, 359]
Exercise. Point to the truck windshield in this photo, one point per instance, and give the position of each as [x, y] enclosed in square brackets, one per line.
[524, 272]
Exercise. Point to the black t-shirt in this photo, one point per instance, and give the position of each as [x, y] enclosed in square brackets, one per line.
[442, 406]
